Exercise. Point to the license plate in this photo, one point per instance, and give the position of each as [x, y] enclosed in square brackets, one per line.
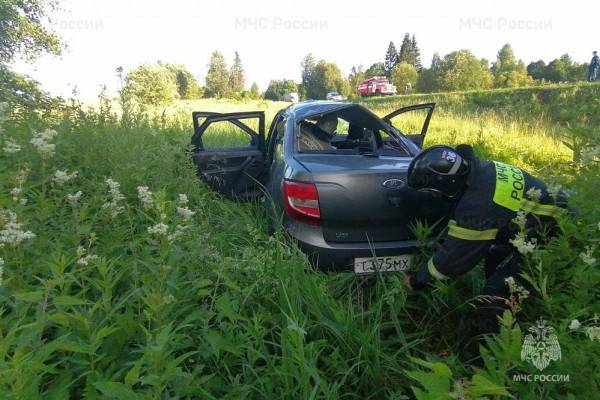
[365, 265]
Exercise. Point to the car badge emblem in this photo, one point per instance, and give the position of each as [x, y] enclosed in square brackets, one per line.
[393, 184]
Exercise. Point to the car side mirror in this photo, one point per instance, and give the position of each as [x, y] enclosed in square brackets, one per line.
[416, 139]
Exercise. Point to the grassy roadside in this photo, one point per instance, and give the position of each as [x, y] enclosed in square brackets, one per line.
[134, 297]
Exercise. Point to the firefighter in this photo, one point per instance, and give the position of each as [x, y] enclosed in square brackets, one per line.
[487, 197]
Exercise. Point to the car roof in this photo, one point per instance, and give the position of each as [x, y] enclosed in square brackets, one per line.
[314, 107]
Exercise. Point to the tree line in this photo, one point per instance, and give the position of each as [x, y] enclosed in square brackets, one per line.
[21, 35]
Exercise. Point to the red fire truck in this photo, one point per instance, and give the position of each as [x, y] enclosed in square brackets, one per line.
[375, 86]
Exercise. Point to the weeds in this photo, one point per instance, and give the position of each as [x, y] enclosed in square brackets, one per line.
[130, 279]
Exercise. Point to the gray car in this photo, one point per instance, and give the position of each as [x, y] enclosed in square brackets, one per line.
[335, 173]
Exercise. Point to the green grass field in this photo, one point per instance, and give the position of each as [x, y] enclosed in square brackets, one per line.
[117, 293]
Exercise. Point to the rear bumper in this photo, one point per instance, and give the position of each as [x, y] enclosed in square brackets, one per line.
[340, 256]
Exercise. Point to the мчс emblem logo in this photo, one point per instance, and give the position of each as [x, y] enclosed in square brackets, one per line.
[540, 346]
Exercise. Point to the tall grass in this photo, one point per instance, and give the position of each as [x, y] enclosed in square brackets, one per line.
[98, 306]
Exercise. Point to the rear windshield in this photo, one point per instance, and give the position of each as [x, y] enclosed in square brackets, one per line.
[352, 130]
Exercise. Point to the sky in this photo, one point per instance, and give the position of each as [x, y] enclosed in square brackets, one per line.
[272, 36]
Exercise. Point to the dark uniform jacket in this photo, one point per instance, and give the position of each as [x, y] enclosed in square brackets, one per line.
[484, 216]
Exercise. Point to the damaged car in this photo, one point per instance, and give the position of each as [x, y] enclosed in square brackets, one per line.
[333, 173]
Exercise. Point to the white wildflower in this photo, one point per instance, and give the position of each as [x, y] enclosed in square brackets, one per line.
[11, 147]
[116, 196]
[114, 187]
[12, 232]
[517, 294]
[574, 325]
[18, 190]
[73, 199]
[41, 141]
[16, 193]
[593, 332]
[183, 199]
[145, 197]
[158, 229]
[185, 212]
[179, 230]
[588, 256]
[521, 243]
[61, 177]
[520, 220]
[534, 193]
[554, 190]
[22, 176]
[81, 251]
[113, 208]
[87, 259]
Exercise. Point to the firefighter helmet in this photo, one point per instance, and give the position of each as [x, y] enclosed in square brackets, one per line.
[439, 169]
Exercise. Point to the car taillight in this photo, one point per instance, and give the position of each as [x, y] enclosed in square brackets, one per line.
[302, 201]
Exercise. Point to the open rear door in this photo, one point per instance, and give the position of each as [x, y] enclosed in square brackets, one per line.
[229, 151]
[412, 121]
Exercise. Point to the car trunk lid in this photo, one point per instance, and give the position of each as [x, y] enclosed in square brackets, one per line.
[364, 198]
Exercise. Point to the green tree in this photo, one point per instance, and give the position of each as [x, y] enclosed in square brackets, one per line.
[564, 69]
[274, 91]
[185, 83]
[461, 70]
[326, 77]
[415, 54]
[402, 74]
[187, 86]
[307, 68]
[537, 69]
[236, 75]
[23, 35]
[254, 92]
[22, 32]
[277, 89]
[347, 88]
[508, 71]
[391, 59]
[377, 69]
[404, 55]
[22, 90]
[217, 77]
[409, 52]
[427, 81]
[152, 84]
[357, 75]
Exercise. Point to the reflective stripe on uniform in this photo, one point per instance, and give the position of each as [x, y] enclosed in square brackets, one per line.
[533, 207]
[470, 234]
[433, 270]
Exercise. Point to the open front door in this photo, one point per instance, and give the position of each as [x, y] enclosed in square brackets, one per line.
[412, 121]
[229, 151]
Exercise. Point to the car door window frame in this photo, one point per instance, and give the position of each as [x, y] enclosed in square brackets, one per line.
[257, 138]
[403, 110]
[273, 135]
